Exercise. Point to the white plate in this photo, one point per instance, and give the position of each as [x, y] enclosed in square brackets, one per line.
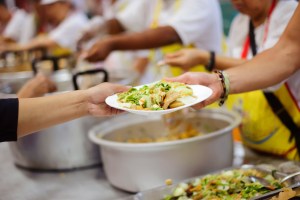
[200, 93]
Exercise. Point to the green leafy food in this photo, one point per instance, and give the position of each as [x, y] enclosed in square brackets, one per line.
[154, 97]
[228, 185]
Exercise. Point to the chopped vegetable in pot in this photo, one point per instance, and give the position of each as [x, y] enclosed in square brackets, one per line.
[159, 96]
[228, 185]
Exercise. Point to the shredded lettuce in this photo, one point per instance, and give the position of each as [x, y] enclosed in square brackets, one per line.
[151, 97]
[228, 185]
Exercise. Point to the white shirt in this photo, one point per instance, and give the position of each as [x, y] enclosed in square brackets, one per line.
[67, 33]
[21, 27]
[118, 63]
[97, 24]
[197, 22]
[277, 24]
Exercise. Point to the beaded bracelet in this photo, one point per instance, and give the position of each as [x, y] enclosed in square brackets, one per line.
[223, 77]
[212, 60]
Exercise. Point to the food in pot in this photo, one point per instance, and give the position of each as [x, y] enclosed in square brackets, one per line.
[158, 96]
[227, 185]
[168, 182]
[189, 132]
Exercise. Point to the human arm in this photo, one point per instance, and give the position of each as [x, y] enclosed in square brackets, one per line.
[151, 38]
[97, 27]
[188, 58]
[39, 113]
[36, 87]
[37, 43]
[264, 70]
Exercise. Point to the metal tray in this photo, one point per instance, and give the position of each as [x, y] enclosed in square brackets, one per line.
[160, 192]
[267, 196]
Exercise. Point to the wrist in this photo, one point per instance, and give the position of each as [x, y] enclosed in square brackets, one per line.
[211, 61]
[112, 43]
[204, 57]
[224, 85]
[83, 104]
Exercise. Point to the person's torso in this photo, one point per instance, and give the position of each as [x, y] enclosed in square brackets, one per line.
[261, 128]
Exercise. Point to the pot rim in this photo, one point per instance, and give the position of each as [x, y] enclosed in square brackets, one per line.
[94, 133]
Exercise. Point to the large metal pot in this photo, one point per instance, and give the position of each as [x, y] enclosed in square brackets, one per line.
[12, 78]
[136, 167]
[62, 147]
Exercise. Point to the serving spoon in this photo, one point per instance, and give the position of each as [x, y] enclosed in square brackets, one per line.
[266, 183]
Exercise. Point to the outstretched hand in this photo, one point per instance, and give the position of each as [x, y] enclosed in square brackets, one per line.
[99, 51]
[187, 58]
[37, 87]
[201, 78]
[97, 95]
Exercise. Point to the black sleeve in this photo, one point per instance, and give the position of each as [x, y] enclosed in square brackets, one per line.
[9, 112]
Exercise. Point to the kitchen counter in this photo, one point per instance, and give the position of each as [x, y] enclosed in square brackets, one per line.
[17, 184]
[89, 184]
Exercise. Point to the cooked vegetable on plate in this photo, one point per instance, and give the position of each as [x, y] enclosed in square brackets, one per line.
[161, 95]
[227, 185]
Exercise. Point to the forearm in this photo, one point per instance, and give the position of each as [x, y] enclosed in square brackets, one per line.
[40, 43]
[148, 39]
[114, 27]
[38, 113]
[266, 69]
[271, 66]
[224, 62]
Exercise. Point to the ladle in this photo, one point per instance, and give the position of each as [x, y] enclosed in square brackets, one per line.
[266, 183]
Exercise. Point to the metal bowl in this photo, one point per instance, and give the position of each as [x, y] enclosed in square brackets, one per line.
[136, 167]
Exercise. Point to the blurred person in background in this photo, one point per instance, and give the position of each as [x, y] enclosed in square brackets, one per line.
[65, 24]
[155, 24]
[101, 11]
[36, 87]
[16, 25]
[270, 117]
[122, 64]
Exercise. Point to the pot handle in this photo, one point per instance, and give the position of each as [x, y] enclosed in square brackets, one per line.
[92, 71]
[53, 59]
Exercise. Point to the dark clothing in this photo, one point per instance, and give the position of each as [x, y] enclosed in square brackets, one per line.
[9, 111]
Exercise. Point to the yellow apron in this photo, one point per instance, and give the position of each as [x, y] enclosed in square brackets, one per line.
[261, 129]
[156, 54]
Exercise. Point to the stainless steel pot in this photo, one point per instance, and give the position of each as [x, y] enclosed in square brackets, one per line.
[65, 146]
[62, 147]
[13, 78]
[136, 167]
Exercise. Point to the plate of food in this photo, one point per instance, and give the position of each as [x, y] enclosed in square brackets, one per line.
[159, 98]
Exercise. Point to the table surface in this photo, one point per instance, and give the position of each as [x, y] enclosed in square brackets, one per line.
[89, 184]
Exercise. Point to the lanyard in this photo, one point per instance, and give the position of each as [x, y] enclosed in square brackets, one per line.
[250, 40]
[158, 9]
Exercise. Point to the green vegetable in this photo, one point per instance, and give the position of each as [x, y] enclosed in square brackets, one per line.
[152, 97]
[228, 185]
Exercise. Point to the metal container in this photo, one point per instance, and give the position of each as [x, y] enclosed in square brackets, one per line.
[161, 192]
[62, 147]
[11, 82]
[12, 78]
[136, 167]
[65, 146]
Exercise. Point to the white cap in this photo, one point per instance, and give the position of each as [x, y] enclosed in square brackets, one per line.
[47, 2]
